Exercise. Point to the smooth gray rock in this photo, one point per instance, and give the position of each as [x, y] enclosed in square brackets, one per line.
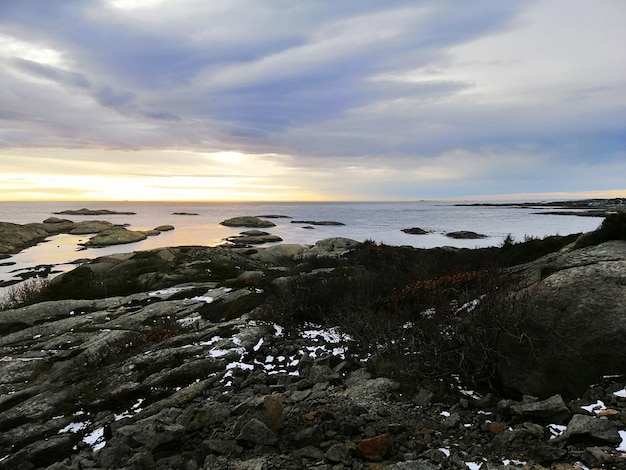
[566, 326]
[591, 429]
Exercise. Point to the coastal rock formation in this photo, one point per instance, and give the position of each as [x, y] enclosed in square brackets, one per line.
[253, 237]
[415, 231]
[116, 236]
[247, 221]
[192, 376]
[85, 211]
[164, 228]
[567, 325]
[317, 222]
[465, 235]
[14, 237]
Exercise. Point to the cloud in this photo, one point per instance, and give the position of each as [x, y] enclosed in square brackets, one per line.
[381, 91]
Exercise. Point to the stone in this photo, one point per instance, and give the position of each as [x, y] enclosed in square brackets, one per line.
[256, 432]
[375, 448]
[273, 405]
[14, 237]
[85, 211]
[115, 236]
[550, 410]
[566, 325]
[590, 429]
[415, 231]
[339, 453]
[247, 221]
[465, 235]
[413, 465]
[91, 226]
[317, 222]
[164, 228]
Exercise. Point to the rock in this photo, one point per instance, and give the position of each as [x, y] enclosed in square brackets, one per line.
[376, 448]
[164, 228]
[415, 231]
[247, 221]
[551, 410]
[465, 235]
[334, 247]
[566, 328]
[274, 411]
[253, 237]
[14, 237]
[591, 429]
[317, 222]
[85, 211]
[115, 236]
[91, 226]
[413, 465]
[185, 213]
[339, 453]
[56, 220]
[256, 432]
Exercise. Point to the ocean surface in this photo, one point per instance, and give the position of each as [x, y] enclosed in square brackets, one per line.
[378, 221]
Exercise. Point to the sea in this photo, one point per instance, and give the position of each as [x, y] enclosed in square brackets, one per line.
[381, 222]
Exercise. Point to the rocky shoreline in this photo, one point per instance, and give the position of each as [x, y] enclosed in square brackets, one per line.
[189, 370]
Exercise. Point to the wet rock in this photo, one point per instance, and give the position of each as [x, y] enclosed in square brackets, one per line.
[164, 228]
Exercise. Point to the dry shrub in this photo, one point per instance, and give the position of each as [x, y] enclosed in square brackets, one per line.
[25, 293]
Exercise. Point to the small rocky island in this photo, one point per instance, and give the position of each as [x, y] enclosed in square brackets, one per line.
[338, 355]
[85, 211]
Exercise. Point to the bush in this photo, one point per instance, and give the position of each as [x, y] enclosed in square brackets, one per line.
[25, 293]
[427, 329]
[613, 227]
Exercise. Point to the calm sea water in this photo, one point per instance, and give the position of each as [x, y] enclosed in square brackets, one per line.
[378, 221]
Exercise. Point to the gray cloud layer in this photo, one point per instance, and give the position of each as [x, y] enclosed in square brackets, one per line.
[489, 90]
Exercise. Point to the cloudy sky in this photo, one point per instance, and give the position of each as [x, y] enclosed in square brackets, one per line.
[311, 99]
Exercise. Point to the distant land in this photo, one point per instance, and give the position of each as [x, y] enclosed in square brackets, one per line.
[580, 207]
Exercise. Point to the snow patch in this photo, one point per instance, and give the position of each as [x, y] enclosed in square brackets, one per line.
[596, 407]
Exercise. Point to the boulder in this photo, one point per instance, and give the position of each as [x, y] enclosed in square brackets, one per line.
[566, 325]
[247, 221]
[164, 228]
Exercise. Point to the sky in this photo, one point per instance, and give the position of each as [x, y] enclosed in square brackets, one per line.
[317, 100]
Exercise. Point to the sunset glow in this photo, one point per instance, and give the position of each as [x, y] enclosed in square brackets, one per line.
[248, 101]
